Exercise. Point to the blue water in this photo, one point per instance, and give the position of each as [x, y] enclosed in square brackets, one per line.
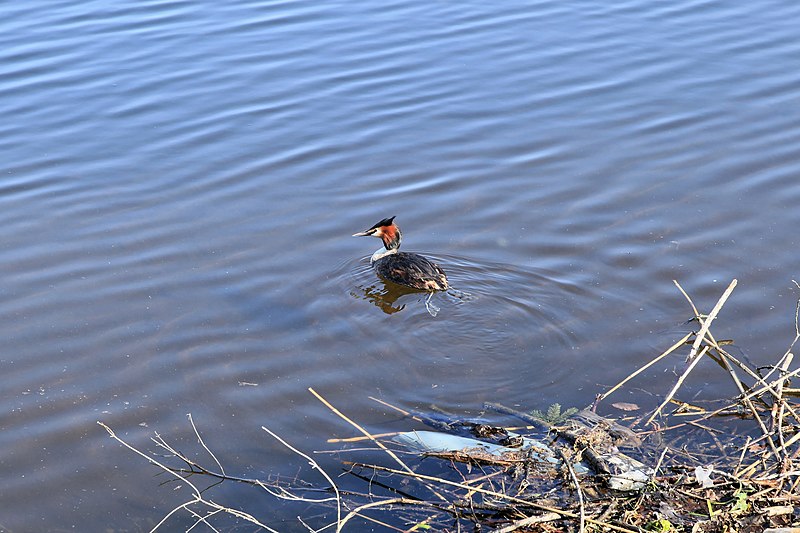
[180, 181]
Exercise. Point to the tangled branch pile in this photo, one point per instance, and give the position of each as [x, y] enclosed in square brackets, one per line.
[732, 467]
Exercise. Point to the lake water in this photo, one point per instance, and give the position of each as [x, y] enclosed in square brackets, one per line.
[180, 181]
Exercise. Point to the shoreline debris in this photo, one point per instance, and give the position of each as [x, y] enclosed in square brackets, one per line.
[732, 465]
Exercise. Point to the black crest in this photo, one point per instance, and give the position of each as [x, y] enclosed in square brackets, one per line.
[384, 222]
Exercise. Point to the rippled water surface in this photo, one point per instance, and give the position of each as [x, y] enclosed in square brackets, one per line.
[180, 181]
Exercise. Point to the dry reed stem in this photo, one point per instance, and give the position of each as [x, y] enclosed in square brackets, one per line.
[581, 506]
[366, 433]
[777, 365]
[529, 521]
[710, 318]
[741, 456]
[678, 384]
[658, 463]
[777, 422]
[398, 409]
[363, 438]
[691, 303]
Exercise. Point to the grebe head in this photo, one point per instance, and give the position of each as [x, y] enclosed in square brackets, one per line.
[387, 231]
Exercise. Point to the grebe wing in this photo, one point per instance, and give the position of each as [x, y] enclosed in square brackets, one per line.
[412, 270]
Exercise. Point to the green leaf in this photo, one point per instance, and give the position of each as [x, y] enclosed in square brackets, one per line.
[741, 505]
[554, 415]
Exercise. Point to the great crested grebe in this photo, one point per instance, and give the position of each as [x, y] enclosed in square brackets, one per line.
[403, 268]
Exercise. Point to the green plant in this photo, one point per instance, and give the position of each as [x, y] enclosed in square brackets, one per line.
[554, 415]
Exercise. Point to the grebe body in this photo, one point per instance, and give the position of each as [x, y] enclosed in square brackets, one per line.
[404, 268]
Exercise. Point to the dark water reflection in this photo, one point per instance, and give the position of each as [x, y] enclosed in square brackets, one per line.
[180, 182]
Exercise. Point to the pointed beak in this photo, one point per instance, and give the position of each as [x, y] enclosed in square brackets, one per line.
[367, 233]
